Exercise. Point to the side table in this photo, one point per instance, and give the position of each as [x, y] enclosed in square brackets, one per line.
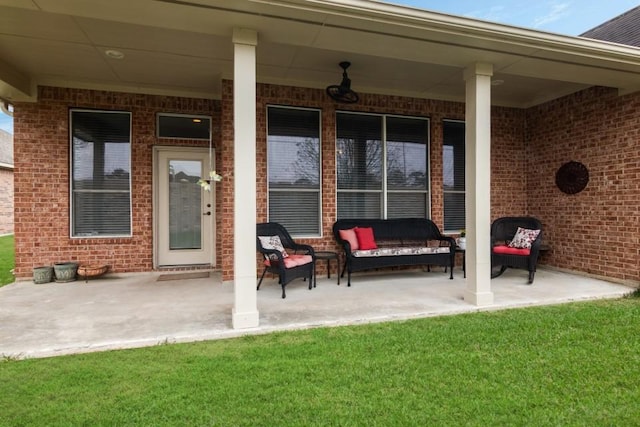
[328, 255]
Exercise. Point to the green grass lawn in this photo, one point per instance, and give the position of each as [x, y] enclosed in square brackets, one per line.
[7, 260]
[574, 364]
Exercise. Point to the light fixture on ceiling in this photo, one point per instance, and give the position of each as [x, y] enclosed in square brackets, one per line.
[342, 92]
[114, 54]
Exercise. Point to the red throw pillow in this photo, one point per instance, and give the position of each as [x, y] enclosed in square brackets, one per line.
[365, 238]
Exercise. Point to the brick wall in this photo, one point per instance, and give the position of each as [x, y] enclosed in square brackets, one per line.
[42, 150]
[595, 127]
[41, 145]
[596, 231]
[508, 158]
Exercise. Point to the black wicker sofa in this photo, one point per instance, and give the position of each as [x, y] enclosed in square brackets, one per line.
[400, 242]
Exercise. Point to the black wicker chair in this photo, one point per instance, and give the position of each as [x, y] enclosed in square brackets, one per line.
[287, 268]
[502, 232]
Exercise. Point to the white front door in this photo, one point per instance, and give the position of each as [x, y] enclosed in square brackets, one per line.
[184, 212]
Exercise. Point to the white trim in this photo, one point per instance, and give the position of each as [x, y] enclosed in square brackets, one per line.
[478, 184]
[245, 306]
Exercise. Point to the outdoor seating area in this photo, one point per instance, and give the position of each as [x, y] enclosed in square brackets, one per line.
[368, 244]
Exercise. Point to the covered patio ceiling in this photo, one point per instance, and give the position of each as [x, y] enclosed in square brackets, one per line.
[184, 48]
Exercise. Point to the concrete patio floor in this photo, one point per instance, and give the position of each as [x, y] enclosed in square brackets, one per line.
[119, 312]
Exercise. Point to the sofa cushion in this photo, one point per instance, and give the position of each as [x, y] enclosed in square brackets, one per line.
[401, 250]
[523, 238]
[273, 242]
[350, 236]
[365, 237]
[507, 250]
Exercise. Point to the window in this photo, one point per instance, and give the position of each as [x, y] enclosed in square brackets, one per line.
[382, 166]
[293, 172]
[183, 126]
[100, 173]
[453, 179]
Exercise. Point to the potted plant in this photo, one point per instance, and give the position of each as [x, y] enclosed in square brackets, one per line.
[462, 240]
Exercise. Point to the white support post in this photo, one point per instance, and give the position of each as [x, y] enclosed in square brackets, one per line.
[478, 183]
[245, 307]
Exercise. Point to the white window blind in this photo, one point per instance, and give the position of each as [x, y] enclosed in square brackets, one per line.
[454, 175]
[293, 157]
[382, 162]
[100, 173]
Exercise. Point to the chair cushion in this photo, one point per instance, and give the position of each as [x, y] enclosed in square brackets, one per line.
[365, 237]
[350, 236]
[508, 250]
[273, 242]
[291, 261]
[524, 238]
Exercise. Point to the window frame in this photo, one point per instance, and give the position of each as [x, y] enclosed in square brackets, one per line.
[71, 170]
[293, 190]
[384, 191]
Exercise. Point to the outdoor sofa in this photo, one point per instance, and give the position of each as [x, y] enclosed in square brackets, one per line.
[380, 243]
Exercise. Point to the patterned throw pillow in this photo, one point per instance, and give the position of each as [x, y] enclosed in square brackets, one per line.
[524, 238]
[273, 242]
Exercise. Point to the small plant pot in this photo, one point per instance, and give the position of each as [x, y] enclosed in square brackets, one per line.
[462, 243]
[42, 275]
[65, 271]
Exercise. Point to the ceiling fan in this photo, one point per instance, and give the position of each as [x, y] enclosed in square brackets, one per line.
[342, 92]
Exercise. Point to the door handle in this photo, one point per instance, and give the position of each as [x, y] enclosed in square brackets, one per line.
[207, 213]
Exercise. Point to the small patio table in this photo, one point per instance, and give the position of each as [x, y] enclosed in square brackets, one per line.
[328, 255]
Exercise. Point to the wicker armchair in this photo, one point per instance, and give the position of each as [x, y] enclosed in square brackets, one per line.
[503, 231]
[299, 261]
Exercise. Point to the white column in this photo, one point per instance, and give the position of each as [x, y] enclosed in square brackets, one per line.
[245, 307]
[478, 183]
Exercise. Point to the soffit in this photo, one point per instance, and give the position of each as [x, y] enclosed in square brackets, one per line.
[185, 48]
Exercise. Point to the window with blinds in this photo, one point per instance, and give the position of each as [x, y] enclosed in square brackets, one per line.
[100, 173]
[382, 166]
[453, 175]
[293, 171]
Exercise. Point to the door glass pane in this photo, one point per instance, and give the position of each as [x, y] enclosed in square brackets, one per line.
[185, 205]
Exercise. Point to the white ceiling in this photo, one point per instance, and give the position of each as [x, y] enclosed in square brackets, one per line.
[184, 48]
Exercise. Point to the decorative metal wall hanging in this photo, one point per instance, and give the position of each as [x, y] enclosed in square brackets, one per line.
[572, 177]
